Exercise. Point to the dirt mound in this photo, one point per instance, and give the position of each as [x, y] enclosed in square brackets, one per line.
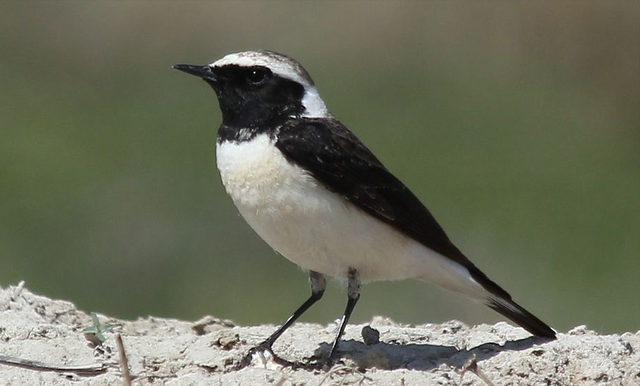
[42, 341]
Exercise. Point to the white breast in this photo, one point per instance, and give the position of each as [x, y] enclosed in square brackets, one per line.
[319, 230]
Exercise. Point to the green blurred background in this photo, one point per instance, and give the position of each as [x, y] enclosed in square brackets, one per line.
[517, 123]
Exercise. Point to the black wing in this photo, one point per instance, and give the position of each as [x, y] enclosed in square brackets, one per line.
[344, 165]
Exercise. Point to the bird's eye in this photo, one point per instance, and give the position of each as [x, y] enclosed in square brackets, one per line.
[257, 76]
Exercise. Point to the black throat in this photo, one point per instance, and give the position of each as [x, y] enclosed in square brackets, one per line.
[250, 109]
[233, 133]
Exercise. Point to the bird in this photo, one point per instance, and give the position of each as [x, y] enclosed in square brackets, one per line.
[319, 197]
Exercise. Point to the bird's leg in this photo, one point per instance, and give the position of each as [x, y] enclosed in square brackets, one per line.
[353, 292]
[318, 285]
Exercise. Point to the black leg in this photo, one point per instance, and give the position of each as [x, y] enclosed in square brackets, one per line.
[353, 292]
[318, 285]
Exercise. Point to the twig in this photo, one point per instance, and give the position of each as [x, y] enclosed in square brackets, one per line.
[152, 377]
[473, 367]
[364, 378]
[17, 291]
[124, 362]
[282, 380]
[332, 371]
[40, 366]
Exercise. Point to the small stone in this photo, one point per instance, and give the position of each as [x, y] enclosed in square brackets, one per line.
[370, 335]
[227, 339]
[579, 330]
[210, 324]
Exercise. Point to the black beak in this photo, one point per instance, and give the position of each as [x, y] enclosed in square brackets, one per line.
[203, 72]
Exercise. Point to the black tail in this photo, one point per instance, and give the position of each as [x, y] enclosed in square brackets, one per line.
[524, 318]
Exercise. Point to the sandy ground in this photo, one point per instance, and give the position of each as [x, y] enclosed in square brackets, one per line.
[174, 352]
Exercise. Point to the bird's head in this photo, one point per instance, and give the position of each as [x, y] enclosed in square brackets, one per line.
[258, 87]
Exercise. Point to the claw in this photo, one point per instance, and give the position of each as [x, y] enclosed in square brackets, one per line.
[320, 364]
[248, 358]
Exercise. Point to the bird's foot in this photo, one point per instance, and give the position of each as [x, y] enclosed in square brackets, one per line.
[315, 363]
[320, 364]
[309, 365]
[259, 349]
[265, 347]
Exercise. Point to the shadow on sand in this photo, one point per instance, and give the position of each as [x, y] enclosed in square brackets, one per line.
[421, 356]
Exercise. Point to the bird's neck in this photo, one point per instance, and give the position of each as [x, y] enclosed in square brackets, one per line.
[241, 131]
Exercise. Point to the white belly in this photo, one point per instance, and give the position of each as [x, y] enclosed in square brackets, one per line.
[317, 229]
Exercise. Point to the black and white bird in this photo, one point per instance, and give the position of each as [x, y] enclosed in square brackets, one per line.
[318, 196]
